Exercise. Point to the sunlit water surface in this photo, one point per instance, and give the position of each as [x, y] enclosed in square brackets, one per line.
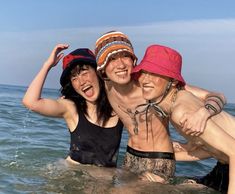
[33, 148]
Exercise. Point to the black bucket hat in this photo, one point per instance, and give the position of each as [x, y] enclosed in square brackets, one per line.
[78, 56]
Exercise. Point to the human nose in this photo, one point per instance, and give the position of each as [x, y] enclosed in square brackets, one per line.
[120, 62]
[144, 78]
[81, 79]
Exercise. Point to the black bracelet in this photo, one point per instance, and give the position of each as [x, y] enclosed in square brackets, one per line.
[211, 107]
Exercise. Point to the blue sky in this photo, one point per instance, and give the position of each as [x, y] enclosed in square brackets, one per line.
[203, 31]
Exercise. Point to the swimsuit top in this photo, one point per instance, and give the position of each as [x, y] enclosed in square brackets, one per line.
[92, 144]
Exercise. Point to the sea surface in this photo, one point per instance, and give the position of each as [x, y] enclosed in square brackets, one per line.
[33, 149]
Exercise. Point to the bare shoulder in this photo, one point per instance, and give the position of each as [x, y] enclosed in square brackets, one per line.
[69, 105]
[186, 98]
[185, 102]
[71, 114]
[65, 102]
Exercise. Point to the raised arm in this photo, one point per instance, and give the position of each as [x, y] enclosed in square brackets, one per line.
[194, 123]
[32, 98]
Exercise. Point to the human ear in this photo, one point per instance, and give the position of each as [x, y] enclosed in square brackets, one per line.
[175, 82]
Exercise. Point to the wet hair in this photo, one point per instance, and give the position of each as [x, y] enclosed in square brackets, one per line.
[103, 110]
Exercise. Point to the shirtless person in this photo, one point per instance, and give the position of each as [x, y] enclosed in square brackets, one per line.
[149, 149]
[161, 82]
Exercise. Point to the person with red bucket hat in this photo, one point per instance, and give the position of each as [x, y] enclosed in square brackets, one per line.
[159, 75]
[149, 150]
[95, 130]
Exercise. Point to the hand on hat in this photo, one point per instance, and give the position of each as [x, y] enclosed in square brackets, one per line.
[56, 55]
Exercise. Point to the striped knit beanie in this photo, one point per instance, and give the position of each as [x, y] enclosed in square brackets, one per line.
[111, 43]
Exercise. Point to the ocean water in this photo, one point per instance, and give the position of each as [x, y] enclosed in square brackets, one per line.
[33, 149]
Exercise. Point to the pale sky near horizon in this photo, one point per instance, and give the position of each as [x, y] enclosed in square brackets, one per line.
[203, 31]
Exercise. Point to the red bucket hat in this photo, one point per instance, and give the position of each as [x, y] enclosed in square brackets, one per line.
[78, 56]
[161, 60]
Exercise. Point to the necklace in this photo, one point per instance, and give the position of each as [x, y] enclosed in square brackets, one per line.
[144, 108]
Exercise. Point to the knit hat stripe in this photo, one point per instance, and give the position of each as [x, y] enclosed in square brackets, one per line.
[110, 53]
[111, 44]
[110, 35]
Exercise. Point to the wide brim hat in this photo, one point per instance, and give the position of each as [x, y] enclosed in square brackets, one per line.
[78, 56]
[109, 44]
[163, 61]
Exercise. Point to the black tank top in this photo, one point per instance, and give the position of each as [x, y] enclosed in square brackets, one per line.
[92, 144]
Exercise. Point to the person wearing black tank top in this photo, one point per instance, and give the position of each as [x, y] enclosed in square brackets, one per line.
[94, 127]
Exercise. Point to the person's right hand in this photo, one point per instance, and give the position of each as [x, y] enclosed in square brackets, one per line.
[56, 55]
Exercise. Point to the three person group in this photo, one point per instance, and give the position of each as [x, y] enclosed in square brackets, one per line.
[96, 106]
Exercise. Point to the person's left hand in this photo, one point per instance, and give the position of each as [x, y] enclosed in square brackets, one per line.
[194, 123]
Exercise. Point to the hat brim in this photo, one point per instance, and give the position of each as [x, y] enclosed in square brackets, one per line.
[156, 69]
[64, 76]
[102, 65]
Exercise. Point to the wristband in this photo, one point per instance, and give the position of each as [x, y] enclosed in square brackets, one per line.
[214, 104]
